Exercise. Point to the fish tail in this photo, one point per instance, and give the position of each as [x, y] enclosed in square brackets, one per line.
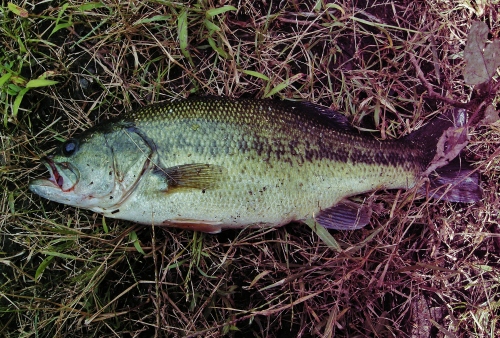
[433, 139]
[440, 143]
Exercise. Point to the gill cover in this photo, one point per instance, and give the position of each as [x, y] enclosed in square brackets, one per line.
[97, 170]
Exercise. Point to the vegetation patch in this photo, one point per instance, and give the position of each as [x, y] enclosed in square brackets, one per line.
[421, 268]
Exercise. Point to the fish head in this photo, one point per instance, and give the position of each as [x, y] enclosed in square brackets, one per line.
[96, 171]
[81, 172]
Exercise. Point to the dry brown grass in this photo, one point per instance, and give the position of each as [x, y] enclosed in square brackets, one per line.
[422, 268]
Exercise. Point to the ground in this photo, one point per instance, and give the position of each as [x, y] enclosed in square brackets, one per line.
[422, 268]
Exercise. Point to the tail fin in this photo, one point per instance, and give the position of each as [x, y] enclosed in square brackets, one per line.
[441, 142]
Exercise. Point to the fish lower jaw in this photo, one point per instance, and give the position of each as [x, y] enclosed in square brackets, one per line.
[43, 182]
[50, 190]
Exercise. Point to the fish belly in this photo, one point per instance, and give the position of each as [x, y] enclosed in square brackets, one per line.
[259, 194]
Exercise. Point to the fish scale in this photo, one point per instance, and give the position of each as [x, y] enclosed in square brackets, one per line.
[214, 163]
[267, 128]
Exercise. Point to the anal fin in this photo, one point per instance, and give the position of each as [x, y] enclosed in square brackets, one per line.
[346, 215]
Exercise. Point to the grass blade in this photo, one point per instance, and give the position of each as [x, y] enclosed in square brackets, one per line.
[182, 31]
[17, 10]
[41, 268]
[4, 79]
[216, 11]
[325, 236]
[255, 74]
[284, 84]
[17, 101]
[40, 83]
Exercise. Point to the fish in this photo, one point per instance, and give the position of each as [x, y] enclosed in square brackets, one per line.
[214, 163]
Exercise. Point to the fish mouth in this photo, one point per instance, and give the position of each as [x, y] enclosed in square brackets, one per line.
[55, 177]
[60, 174]
[60, 186]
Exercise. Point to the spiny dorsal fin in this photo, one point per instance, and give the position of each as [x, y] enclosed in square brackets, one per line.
[195, 175]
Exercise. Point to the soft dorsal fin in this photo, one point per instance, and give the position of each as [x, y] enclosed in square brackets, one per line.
[323, 114]
[337, 118]
[346, 215]
[195, 175]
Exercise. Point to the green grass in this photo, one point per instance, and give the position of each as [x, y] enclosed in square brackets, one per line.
[421, 268]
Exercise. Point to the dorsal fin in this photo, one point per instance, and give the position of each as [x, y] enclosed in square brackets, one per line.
[322, 114]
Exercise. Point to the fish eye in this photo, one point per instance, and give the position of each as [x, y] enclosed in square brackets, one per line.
[69, 147]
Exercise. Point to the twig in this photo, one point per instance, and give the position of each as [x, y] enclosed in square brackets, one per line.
[430, 92]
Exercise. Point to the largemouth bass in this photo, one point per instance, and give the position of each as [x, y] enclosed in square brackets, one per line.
[213, 163]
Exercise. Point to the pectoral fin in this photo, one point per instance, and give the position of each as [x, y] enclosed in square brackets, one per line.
[346, 215]
[196, 175]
